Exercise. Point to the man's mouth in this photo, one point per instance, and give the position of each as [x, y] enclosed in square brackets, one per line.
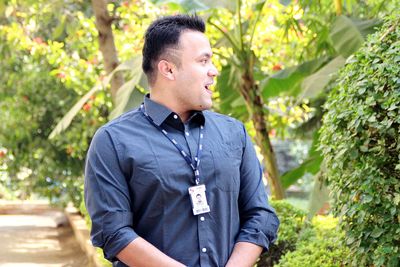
[208, 88]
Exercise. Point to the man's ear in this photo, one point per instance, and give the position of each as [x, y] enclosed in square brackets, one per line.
[166, 69]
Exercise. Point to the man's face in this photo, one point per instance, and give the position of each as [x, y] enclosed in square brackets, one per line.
[196, 72]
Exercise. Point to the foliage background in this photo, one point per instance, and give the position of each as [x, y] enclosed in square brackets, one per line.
[50, 60]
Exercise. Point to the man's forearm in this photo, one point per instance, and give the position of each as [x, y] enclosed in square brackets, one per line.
[141, 253]
[244, 255]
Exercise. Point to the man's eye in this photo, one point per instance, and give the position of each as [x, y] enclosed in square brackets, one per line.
[204, 61]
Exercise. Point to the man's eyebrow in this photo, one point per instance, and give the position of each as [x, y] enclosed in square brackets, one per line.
[205, 54]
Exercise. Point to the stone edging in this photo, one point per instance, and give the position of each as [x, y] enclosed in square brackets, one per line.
[82, 235]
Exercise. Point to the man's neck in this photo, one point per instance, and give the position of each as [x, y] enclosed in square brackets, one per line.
[172, 105]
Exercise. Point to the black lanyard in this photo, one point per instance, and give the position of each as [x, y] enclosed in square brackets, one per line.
[194, 165]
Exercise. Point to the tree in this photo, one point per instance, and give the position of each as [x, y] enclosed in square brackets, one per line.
[106, 44]
[47, 62]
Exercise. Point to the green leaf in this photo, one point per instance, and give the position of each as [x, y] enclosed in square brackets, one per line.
[231, 102]
[350, 240]
[367, 199]
[311, 165]
[366, 27]
[68, 117]
[396, 199]
[231, 5]
[377, 232]
[2, 8]
[314, 84]
[285, 2]
[319, 196]
[132, 64]
[124, 92]
[197, 5]
[345, 36]
[259, 5]
[135, 100]
[59, 30]
[229, 36]
[289, 79]
[121, 99]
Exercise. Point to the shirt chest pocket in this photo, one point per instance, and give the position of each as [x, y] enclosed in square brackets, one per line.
[227, 161]
[146, 172]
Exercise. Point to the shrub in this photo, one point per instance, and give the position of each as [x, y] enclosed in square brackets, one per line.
[292, 220]
[361, 144]
[318, 246]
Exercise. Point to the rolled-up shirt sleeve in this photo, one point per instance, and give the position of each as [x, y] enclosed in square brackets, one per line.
[258, 220]
[107, 198]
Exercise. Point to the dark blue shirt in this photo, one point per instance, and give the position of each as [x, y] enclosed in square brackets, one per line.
[136, 184]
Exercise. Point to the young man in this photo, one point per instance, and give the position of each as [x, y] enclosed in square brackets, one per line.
[146, 169]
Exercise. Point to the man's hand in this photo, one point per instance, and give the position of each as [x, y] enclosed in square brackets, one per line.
[244, 255]
[141, 253]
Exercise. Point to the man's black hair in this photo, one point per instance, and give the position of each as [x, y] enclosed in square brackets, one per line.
[164, 33]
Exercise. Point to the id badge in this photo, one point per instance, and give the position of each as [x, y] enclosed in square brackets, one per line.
[199, 200]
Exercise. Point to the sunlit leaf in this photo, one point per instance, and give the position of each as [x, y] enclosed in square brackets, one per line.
[58, 31]
[315, 83]
[231, 102]
[123, 96]
[132, 64]
[345, 36]
[66, 120]
[258, 8]
[231, 5]
[2, 8]
[135, 99]
[289, 79]
[185, 5]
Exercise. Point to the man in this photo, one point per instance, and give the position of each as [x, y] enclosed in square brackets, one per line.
[145, 168]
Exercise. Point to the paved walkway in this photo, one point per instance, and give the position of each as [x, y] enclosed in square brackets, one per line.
[32, 234]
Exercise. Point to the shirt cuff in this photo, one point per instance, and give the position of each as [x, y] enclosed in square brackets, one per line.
[254, 236]
[118, 242]
[118, 233]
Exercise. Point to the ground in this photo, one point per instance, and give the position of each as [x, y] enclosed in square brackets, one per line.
[33, 234]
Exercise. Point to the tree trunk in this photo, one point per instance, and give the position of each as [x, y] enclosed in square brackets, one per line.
[106, 44]
[255, 105]
[338, 7]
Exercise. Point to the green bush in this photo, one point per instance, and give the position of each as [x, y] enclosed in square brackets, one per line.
[318, 246]
[360, 140]
[292, 220]
[301, 243]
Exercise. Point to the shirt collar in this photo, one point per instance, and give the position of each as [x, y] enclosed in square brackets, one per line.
[157, 112]
[160, 113]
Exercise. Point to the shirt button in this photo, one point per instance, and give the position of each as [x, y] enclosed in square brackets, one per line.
[175, 116]
[204, 250]
[187, 133]
[202, 218]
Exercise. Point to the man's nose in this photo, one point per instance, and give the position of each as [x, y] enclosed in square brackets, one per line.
[213, 71]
